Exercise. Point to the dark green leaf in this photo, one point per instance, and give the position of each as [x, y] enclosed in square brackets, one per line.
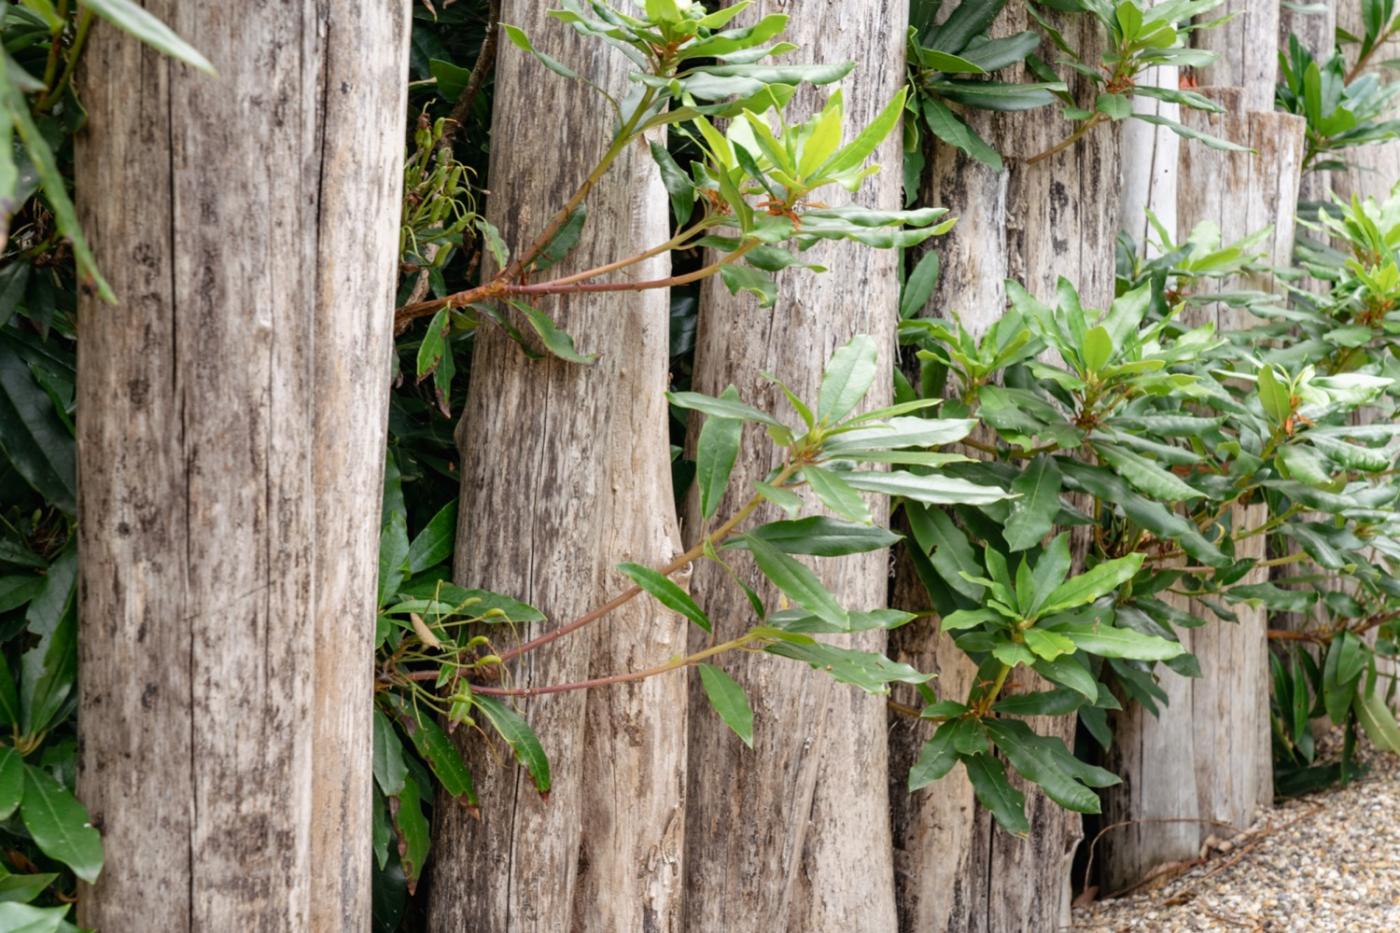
[34, 437]
[1006, 804]
[666, 592]
[434, 543]
[389, 768]
[729, 700]
[822, 536]
[520, 737]
[798, 582]
[59, 825]
[716, 452]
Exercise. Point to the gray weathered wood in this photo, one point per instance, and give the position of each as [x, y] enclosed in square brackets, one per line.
[794, 835]
[564, 474]
[1207, 757]
[1247, 49]
[1376, 168]
[955, 869]
[231, 422]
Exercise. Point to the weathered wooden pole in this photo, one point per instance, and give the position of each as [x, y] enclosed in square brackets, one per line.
[795, 835]
[1033, 223]
[231, 423]
[564, 474]
[1215, 728]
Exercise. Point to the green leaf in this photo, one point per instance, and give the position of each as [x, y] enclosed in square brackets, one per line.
[798, 582]
[964, 619]
[729, 700]
[1097, 349]
[944, 124]
[849, 375]
[1068, 672]
[24, 888]
[932, 489]
[129, 17]
[678, 184]
[1089, 586]
[451, 79]
[854, 154]
[936, 758]
[994, 792]
[822, 536]
[563, 241]
[1047, 644]
[868, 670]
[1273, 396]
[1147, 476]
[1111, 642]
[556, 341]
[48, 670]
[59, 825]
[37, 442]
[1114, 106]
[1303, 465]
[1378, 721]
[519, 736]
[836, 494]
[918, 288]
[1058, 702]
[26, 918]
[517, 38]
[716, 452]
[413, 831]
[666, 592]
[1032, 760]
[1033, 514]
[11, 781]
[721, 408]
[389, 768]
[435, 748]
[433, 544]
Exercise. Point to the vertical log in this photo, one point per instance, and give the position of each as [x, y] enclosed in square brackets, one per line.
[1033, 223]
[231, 419]
[564, 475]
[1247, 49]
[1375, 168]
[1217, 726]
[794, 835]
[1316, 29]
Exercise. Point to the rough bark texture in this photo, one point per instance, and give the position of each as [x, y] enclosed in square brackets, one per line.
[1316, 29]
[564, 474]
[231, 422]
[1149, 157]
[1375, 168]
[955, 869]
[1247, 48]
[794, 835]
[1207, 756]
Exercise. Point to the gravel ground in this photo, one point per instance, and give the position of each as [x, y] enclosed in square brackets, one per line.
[1327, 862]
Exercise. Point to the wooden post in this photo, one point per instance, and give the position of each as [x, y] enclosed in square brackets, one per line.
[1377, 166]
[794, 835]
[564, 475]
[1034, 223]
[1216, 728]
[231, 422]
[1247, 50]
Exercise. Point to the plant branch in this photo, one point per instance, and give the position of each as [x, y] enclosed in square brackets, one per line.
[1068, 141]
[485, 59]
[630, 677]
[695, 553]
